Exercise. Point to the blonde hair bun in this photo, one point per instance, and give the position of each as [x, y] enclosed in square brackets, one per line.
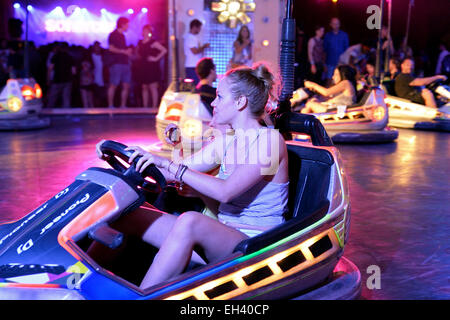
[256, 83]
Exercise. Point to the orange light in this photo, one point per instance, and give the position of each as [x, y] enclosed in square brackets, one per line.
[173, 112]
[265, 43]
[379, 113]
[38, 91]
[27, 92]
[14, 104]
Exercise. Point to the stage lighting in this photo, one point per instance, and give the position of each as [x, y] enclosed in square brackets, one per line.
[130, 11]
[29, 7]
[144, 10]
[16, 5]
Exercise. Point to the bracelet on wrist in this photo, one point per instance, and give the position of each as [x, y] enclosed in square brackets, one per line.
[180, 171]
[183, 170]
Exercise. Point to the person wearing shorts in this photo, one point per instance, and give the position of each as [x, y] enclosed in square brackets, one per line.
[119, 71]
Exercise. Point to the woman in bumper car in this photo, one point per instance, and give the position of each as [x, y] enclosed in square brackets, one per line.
[251, 187]
[343, 92]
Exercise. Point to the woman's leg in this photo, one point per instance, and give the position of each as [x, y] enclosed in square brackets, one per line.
[191, 228]
[145, 95]
[154, 91]
[314, 107]
[84, 98]
[91, 98]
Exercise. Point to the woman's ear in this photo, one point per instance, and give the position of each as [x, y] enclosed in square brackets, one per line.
[241, 103]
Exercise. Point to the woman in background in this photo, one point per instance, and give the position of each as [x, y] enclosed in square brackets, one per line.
[148, 71]
[242, 49]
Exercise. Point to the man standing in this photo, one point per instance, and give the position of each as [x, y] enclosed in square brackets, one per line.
[193, 49]
[61, 71]
[335, 43]
[119, 70]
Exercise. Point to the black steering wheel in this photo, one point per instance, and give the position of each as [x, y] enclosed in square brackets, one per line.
[115, 150]
[436, 83]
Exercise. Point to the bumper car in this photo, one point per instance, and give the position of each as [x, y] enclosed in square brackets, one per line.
[183, 108]
[44, 255]
[406, 114]
[20, 105]
[363, 122]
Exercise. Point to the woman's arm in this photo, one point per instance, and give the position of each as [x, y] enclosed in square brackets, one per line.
[226, 190]
[327, 92]
[238, 47]
[162, 51]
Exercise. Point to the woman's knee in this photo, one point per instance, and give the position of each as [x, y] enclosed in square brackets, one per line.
[187, 223]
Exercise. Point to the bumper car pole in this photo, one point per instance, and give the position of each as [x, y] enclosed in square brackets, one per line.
[26, 62]
[379, 44]
[287, 59]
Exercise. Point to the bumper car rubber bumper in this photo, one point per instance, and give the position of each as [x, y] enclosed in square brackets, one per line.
[29, 123]
[435, 125]
[381, 136]
[344, 284]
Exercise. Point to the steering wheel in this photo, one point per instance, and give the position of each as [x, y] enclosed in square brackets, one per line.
[436, 83]
[115, 150]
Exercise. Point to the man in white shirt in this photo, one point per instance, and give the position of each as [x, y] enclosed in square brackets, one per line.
[354, 54]
[193, 49]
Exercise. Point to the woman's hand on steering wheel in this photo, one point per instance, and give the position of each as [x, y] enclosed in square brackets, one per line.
[146, 159]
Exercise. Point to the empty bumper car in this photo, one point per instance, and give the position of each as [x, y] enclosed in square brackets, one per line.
[364, 122]
[20, 105]
[44, 254]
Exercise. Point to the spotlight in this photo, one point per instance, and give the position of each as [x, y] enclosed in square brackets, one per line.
[144, 10]
[29, 7]
[16, 5]
[103, 10]
[130, 11]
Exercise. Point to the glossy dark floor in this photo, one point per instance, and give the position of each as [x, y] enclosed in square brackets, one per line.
[400, 195]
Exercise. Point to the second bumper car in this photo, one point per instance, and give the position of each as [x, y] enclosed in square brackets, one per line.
[20, 105]
[364, 122]
[406, 114]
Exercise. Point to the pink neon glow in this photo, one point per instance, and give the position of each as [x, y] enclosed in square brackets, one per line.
[80, 26]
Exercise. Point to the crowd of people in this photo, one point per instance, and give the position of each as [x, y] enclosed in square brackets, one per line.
[337, 69]
[76, 76]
